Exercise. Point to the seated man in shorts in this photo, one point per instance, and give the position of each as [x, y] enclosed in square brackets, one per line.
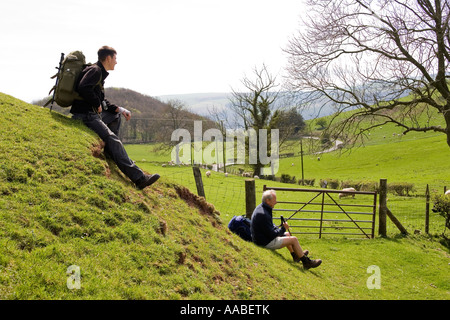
[266, 234]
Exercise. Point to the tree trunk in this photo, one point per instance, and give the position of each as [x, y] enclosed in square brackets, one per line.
[447, 121]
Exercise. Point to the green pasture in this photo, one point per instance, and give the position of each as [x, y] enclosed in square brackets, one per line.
[421, 160]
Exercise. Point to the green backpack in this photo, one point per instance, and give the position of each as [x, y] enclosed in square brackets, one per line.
[69, 70]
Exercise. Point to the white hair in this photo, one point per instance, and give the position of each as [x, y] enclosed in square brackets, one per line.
[268, 194]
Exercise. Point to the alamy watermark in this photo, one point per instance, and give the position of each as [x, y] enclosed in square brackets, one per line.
[235, 140]
[374, 281]
[74, 279]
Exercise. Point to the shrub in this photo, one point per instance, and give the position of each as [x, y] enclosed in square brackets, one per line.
[360, 185]
[442, 206]
[331, 183]
[306, 182]
[369, 186]
[285, 178]
[401, 189]
[351, 184]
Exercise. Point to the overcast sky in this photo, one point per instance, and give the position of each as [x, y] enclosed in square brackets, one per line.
[164, 47]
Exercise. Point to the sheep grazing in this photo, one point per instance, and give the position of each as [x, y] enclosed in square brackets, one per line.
[208, 173]
[346, 194]
[226, 174]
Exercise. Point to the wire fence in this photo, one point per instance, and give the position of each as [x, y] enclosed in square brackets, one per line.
[411, 211]
[227, 194]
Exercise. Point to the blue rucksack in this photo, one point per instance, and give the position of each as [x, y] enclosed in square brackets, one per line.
[240, 225]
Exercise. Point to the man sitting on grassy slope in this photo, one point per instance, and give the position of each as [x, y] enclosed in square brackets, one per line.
[266, 234]
[89, 109]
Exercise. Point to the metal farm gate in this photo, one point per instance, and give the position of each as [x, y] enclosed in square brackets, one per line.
[323, 212]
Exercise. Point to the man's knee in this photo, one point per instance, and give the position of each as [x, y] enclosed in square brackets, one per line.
[114, 126]
[95, 123]
[287, 240]
[291, 240]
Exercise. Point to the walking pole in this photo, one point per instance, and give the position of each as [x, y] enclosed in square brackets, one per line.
[282, 222]
[56, 83]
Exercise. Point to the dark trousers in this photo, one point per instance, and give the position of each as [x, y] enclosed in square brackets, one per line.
[113, 121]
[113, 146]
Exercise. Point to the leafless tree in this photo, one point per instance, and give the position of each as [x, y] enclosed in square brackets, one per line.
[176, 115]
[261, 105]
[385, 61]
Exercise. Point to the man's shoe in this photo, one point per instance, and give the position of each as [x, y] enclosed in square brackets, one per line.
[308, 263]
[146, 181]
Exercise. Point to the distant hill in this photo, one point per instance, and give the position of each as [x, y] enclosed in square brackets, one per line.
[151, 121]
[201, 103]
[197, 103]
[142, 105]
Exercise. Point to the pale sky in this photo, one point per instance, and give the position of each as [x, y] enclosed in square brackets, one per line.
[164, 47]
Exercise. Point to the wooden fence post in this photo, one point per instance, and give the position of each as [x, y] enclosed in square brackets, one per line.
[384, 211]
[250, 197]
[396, 222]
[427, 210]
[382, 208]
[198, 181]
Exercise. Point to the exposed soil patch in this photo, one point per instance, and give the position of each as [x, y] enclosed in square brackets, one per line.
[194, 200]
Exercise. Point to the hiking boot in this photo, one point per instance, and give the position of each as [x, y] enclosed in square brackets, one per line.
[147, 180]
[308, 263]
[296, 257]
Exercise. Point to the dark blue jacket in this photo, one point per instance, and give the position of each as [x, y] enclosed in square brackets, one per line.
[262, 227]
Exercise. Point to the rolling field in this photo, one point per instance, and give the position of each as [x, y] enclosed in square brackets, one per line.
[418, 159]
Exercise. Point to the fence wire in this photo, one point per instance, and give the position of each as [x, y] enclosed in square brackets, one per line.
[227, 194]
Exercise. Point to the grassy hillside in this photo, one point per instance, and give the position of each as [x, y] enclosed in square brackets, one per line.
[422, 160]
[60, 206]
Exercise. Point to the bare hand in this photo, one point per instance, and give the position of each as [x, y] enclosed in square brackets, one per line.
[127, 115]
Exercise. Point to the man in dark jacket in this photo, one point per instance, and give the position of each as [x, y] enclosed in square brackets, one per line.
[268, 235]
[91, 107]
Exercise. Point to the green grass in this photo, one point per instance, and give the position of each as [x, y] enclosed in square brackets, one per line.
[60, 206]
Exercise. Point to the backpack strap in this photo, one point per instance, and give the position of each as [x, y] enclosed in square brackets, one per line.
[99, 83]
